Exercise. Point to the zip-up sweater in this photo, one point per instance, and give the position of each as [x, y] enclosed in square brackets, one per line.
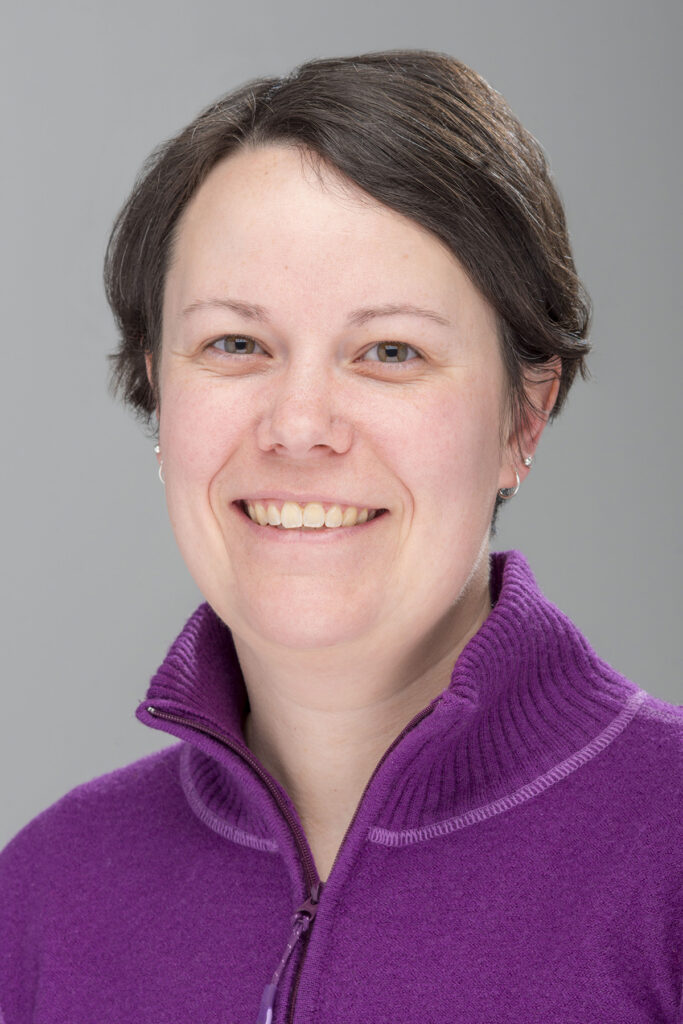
[516, 856]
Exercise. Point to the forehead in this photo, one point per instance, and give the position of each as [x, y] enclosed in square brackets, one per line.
[270, 227]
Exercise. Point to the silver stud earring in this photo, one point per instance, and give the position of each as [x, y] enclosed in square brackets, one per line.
[509, 492]
[157, 451]
[527, 460]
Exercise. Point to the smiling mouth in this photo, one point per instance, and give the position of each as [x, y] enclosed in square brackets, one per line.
[290, 515]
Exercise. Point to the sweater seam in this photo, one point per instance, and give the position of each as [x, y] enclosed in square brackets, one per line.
[409, 836]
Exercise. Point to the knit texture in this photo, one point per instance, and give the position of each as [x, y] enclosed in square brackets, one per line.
[516, 856]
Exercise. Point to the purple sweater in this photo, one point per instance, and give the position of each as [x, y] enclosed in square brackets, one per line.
[516, 857]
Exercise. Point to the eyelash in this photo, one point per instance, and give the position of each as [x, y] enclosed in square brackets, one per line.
[394, 344]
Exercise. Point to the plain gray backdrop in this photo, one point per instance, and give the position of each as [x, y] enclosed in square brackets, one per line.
[94, 589]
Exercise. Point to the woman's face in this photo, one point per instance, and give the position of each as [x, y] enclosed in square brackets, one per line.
[320, 347]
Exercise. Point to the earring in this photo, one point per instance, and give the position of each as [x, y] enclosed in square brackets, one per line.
[509, 492]
[157, 451]
[527, 460]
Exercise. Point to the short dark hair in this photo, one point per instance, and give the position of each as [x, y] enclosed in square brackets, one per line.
[420, 132]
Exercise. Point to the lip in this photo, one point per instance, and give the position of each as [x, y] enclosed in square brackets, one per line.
[306, 534]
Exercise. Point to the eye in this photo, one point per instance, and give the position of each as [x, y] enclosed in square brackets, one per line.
[235, 344]
[392, 352]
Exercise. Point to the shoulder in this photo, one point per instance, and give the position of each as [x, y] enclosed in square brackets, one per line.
[67, 858]
[645, 735]
[656, 738]
[642, 782]
[669, 716]
[657, 726]
[89, 816]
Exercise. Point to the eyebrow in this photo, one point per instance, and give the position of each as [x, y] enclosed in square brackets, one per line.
[357, 318]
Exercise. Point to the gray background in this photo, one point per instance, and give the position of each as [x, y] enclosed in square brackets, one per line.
[94, 590]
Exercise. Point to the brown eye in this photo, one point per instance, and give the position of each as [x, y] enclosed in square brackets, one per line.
[235, 344]
[391, 352]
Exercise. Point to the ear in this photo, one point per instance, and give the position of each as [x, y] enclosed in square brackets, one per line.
[149, 366]
[542, 385]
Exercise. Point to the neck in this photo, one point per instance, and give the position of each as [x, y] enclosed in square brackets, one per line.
[320, 725]
[526, 703]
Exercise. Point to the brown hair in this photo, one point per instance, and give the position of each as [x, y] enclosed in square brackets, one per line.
[418, 131]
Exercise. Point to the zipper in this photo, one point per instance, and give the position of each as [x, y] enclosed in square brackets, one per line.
[310, 870]
[411, 725]
[301, 922]
[305, 915]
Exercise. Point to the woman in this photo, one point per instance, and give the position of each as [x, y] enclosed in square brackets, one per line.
[406, 789]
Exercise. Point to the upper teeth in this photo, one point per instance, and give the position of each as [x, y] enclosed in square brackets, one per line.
[291, 515]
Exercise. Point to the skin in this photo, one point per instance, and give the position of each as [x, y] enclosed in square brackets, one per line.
[341, 644]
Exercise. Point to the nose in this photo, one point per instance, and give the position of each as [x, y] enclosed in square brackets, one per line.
[303, 415]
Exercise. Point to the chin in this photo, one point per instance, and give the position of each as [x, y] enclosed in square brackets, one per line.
[303, 618]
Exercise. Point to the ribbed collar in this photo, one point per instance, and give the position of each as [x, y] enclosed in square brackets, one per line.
[528, 698]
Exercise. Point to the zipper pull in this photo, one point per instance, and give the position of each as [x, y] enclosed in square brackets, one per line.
[301, 922]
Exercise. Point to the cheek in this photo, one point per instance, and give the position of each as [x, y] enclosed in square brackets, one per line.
[197, 434]
[195, 426]
[449, 451]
